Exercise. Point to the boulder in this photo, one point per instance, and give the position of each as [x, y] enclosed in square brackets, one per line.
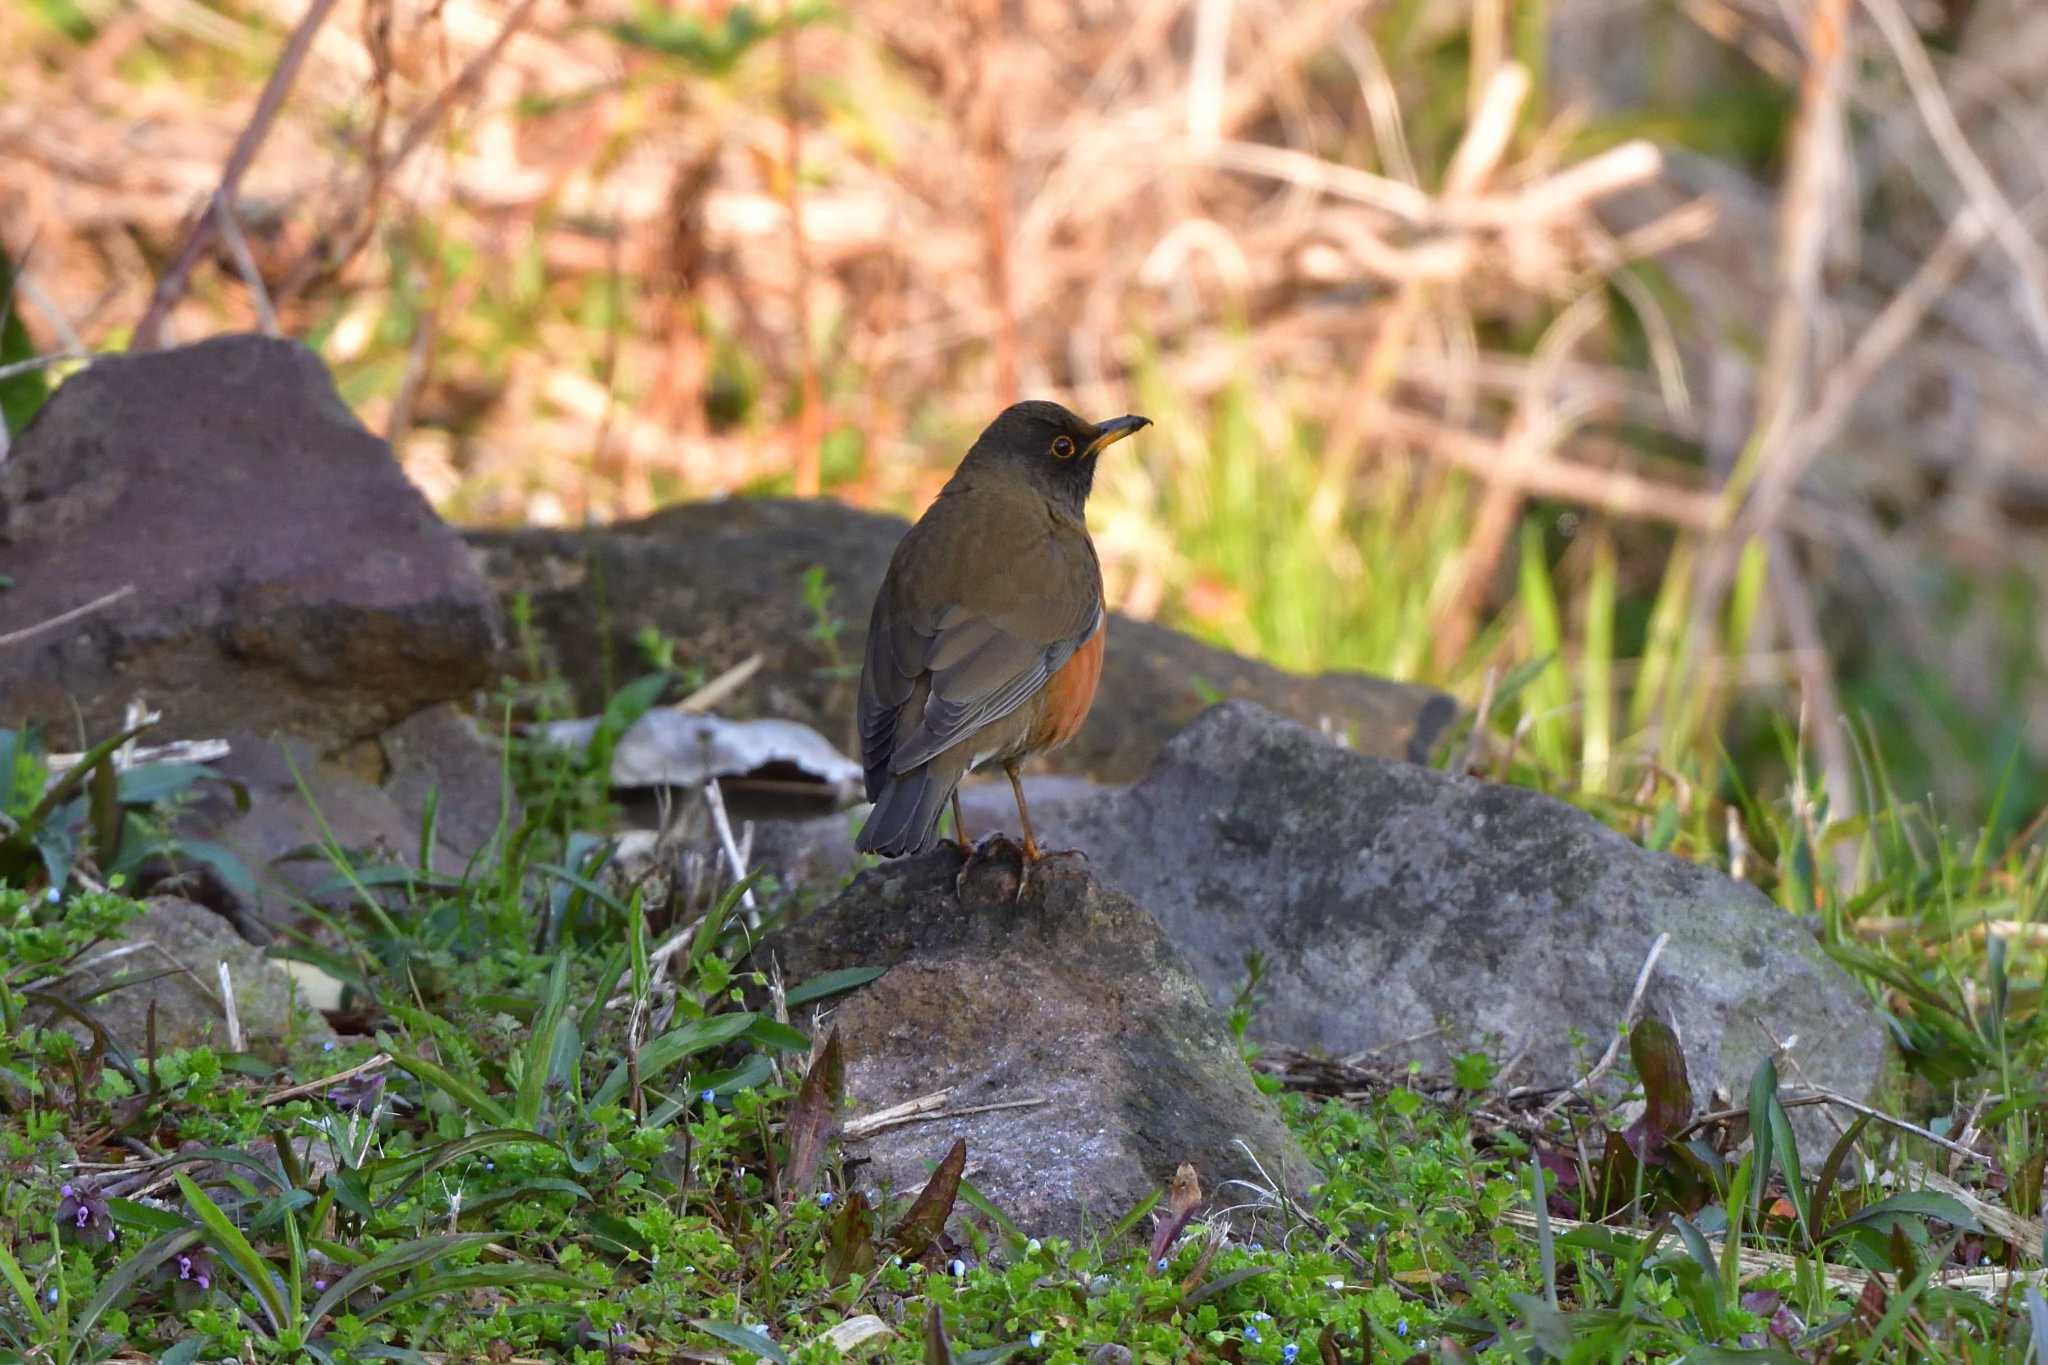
[280, 571]
[1392, 902]
[171, 958]
[727, 580]
[1065, 1002]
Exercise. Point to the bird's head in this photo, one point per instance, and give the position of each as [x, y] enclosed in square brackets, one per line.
[1051, 448]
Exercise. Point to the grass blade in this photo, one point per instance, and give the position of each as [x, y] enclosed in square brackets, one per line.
[227, 1239]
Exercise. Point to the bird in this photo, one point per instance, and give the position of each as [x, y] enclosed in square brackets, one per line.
[986, 640]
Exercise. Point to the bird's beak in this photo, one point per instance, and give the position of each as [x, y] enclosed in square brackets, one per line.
[1115, 429]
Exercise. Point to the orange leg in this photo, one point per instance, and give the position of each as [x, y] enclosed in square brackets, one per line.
[1031, 849]
[960, 826]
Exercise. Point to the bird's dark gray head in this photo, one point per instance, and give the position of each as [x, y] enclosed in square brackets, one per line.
[1050, 447]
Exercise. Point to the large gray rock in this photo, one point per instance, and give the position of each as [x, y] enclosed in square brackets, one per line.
[1391, 900]
[726, 580]
[1069, 996]
[286, 575]
[171, 958]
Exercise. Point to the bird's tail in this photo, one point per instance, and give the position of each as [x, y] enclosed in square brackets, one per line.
[906, 815]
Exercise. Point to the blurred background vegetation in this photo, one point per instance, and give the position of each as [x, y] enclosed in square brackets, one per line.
[1663, 377]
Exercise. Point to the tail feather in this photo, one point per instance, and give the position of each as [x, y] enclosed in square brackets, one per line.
[906, 814]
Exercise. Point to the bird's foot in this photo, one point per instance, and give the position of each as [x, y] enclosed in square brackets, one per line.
[995, 848]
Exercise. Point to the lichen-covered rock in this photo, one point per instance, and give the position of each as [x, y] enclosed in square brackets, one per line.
[285, 574]
[726, 580]
[1391, 902]
[1068, 997]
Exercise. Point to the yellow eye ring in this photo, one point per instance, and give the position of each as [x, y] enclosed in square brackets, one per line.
[1063, 447]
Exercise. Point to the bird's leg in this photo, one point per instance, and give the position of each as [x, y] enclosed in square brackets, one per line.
[1031, 850]
[960, 827]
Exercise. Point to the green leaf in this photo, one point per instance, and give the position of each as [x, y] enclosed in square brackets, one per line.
[663, 1054]
[455, 1150]
[400, 1258]
[460, 1282]
[24, 1291]
[1763, 1092]
[1912, 1204]
[540, 1059]
[227, 1239]
[468, 1097]
[148, 783]
[1133, 1218]
[1012, 1234]
[831, 983]
[734, 1335]
[780, 1036]
[1786, 1144]
[1221, 1283]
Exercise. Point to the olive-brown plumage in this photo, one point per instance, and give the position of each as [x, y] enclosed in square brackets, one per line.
[986, 641]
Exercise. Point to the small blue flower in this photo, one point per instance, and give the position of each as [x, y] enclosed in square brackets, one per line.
[1289, 1352]
[53, 1288]
[1032, 1248]
[760, 1329]
[1262, 1317]
[327, 1046]
[824, 1199]
[1401, 1328]
[709, 1097]
[1160, 1264]
[1251, 1333]
[956, 1267]
[490, 1165]
[320, 1284]
[1257, 1247]
[56, 897]
[1035, 1340]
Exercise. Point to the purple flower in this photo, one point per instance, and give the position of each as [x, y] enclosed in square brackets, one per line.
[196, 1267]
[358, 1096]
[84, 1214]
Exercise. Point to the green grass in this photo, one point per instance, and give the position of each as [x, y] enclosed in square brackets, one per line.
[535, 1176]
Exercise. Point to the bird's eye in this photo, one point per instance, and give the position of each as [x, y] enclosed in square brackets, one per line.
[1063, 447]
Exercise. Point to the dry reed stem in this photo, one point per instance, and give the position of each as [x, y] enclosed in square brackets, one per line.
[171, 285]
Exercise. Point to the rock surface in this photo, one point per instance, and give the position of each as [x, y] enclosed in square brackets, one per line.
[725, 580]
[296, 800]
[179, 971]
[1071, 996]
[285, 574]
[1391, 901]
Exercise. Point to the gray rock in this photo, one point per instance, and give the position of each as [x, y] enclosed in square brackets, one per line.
[1391, 900]
[296, 800]
[1068, 995]
[443, 752]
[725, 580]
[818, 853]
[286, 574]
[171, 958]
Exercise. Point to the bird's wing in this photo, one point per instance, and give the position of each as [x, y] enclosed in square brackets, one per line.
[972, 665]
